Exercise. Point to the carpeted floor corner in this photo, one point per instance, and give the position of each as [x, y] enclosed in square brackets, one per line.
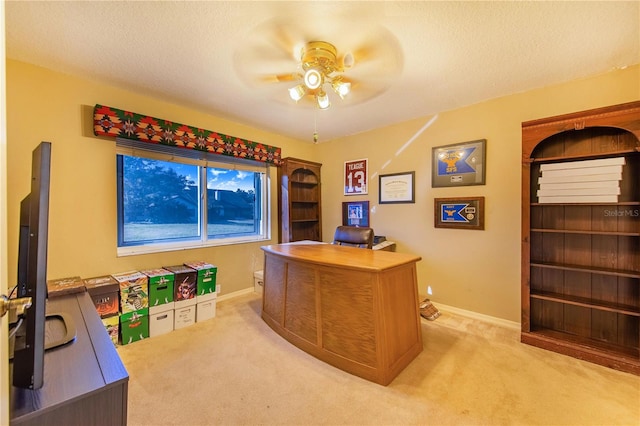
[234, 370]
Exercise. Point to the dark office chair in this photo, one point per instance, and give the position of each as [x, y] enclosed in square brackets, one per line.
[354, 236]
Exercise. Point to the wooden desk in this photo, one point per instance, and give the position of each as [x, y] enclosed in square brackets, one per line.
[85, 382]
[355, 309]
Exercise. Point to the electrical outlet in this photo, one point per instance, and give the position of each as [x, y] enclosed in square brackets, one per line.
[429, 291]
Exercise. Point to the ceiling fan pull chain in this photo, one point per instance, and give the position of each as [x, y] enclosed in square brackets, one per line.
[315, 126]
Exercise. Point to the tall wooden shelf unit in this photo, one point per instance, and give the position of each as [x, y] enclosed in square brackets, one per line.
[299, 201]
[581, 262]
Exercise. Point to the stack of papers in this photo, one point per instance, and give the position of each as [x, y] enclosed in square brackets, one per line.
[586, 181]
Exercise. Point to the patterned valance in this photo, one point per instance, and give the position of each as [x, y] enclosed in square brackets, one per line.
[113, 122]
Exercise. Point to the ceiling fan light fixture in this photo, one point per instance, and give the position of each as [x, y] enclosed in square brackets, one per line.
[323, 100]
[348, 60]
[296, 93]
[313, 78]
[342, 88]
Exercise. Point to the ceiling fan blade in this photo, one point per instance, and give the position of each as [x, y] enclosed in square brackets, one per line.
[281, 78]
[382, 51]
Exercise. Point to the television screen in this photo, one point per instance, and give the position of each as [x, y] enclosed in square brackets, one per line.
[29, 346]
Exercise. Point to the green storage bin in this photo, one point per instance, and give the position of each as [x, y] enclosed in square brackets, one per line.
[160, 286]
[134, 326]
[206, 281]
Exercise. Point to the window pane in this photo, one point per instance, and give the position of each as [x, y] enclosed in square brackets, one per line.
[158, 201]
[232, 197]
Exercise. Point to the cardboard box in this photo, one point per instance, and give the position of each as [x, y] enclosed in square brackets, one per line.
[112, 325]
[134, 291]
[184, 317]
[185, 303]
[258, 282]
[161, 319]
[184, 283]
[206, 307]
[62, 286]
[105, 293]
[134, 326]
[206, 277]
[160, 286]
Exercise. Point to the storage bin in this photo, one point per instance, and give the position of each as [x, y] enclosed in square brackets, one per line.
[134, 291]
[134, 326]
[258, 281]
[184, 317]
[184, 284]
[206, 307]
[161, 319]
[206, 277]
[104, 292]
[160, 286]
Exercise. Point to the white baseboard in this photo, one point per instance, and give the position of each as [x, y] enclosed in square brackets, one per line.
[446, 308]
[477, 316]
[235, 294]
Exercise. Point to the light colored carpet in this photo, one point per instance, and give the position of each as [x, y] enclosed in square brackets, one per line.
[234, 370]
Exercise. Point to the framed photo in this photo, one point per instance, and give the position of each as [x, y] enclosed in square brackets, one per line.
[355, 213]
[460, 213]
[356, 177]
[459, 164]
[397, 188]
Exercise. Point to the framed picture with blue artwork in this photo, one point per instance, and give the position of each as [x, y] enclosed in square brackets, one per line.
[459, 213]
[460, 164]
[355, 213]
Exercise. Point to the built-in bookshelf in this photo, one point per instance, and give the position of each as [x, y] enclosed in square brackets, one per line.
[299, 201]
[581, 239]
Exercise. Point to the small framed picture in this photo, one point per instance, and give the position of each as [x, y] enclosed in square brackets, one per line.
[397, 188]
[460, 164]
[355, 213]
[460, 213]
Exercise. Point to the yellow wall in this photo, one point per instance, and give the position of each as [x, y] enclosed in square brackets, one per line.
[43, 105]
[473, 270]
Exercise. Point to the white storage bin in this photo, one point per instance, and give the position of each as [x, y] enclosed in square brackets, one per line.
[206, 307]
[258, 281]
[185, 316]
[161, 321]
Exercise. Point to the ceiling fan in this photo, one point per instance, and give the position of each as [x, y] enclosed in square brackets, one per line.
[302, 62]
[320, 66]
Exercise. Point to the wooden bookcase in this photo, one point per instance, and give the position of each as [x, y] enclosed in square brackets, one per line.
[299, 201]
[581, 261]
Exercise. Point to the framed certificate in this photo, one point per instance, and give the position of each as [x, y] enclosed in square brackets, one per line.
[397, 188]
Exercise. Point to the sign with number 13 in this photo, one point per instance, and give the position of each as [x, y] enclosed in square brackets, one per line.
[355, 177]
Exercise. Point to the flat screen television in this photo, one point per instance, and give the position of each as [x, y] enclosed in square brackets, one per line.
[29, 346]
[32, 335]
[29, 334]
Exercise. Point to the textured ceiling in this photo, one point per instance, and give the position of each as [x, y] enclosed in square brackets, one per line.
[423, 57]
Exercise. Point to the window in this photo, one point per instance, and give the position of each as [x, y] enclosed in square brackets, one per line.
[176, 199]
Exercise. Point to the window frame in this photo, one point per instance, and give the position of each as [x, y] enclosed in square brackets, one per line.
[204, 160]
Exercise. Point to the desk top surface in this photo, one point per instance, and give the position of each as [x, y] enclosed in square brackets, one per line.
[341, 256]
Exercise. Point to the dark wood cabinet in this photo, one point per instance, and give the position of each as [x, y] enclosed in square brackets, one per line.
[299, 201]
[581, 260]
[85, 382]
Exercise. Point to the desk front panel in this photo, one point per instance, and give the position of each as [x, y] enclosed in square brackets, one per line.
[362, 320]
[347, 306]
[300, 316]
